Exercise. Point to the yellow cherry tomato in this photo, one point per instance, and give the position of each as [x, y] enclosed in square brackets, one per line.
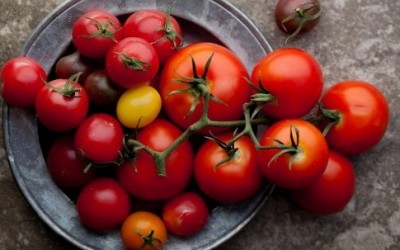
[138, 106]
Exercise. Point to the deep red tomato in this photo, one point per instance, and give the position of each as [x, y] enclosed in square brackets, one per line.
[21, 79]
[226, 81]
[232, 181]
[61, 105]
[158, 28]
[65, 166]
[332, 191]
[185, 214]
[103, 204]
[73, 63]
[303, 158]
[132, 61]
[95, 32]
[100, 138]
[293, 81]
[141, 179]
[361, 114]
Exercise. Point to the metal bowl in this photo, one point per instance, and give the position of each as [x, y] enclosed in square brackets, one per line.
[204, 20]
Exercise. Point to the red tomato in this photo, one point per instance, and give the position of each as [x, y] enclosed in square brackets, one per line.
[142, 180]
[95, 32]
[21, 79]
[292, 78]
[185, 214]
[331, 192]
[303, 158]
[64, 109]
[233, 181]
[132, 61]
[361, 116]
[65, 166]
[100, 138]
[226, 81]
[158, 28]
[103, 204]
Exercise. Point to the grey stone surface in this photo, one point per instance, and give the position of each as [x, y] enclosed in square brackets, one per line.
[354, 40]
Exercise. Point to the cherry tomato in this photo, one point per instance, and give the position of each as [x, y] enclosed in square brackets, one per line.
[232, 181]
[103, 204]
[332, 191]
[225, 80]
[100, 138]
[143, 230]
[138, 106]
[131, 62]
[360, 115]
[141, 178]
[95, 32]
[185, 214]
[74, 63]
[288, 93]
[65, 166]
[61, 105]
[297, 156]
[21, 80]
[158, 28]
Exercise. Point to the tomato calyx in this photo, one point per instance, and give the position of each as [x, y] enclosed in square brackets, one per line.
[262, 96]
[70, 88]
[168, 31]
[230, 149]
[103, 30]
[134, 63]
[150, 241]
[333, 117]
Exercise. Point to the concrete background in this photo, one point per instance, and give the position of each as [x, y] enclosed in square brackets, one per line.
[355, 39]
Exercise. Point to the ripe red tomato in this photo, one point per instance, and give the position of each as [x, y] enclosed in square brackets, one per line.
[361, 115]
[131, 62]
[226, 81]
[142, 180]
[61, 105]
[331, 192]
[233, 181]
[65, 166]
[158, 28]
[95, 32]
[100, 138]
[185, 214]
[21, 79]
[103, 204]
[303, 158]
[74, 63]
[292, 78]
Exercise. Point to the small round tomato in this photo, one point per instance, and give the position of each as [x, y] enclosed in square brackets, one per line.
[185, 214]
[103, 204]
[294, 154]
[331, 192]
[62, 105]
[232, 181]
[360, 114]
[100, 138]
[74, 63]
[21, 80]
[132, 61]
[138, 106]
[95, 32]
[143, 230]
[158, 28]
[285, 92]
[65, 166]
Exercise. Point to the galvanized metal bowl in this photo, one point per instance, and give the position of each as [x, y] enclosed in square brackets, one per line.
[204, 20]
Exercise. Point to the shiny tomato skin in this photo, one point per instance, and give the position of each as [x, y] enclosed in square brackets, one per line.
[307, 164]
[141, 179]
[21, 79]
[294, 77]
[226, 81]
[364, 115]
[233, 181]
[100, 138]
[332, 191]
[185, 214]
[74, 63]
[103, 204]
[58, 112]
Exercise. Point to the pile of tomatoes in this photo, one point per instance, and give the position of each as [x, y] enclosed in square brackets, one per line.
[150, 132]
